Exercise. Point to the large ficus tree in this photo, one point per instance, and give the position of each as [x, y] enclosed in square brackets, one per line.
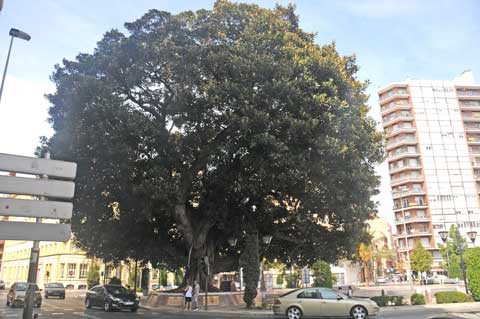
[196, 127]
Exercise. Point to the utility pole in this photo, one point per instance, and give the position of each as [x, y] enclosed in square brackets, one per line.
[207, 266]
[33, 267]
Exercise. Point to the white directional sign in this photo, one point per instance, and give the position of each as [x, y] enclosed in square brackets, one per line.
[37, 166]
[34, 231]
[36, 187]
[43, 200]
[35, 208]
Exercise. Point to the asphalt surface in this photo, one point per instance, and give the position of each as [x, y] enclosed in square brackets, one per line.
[72, 308]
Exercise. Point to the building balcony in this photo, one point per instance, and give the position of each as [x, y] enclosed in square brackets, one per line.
[415, 219]
[470, 107]
[393, 96]
[404, 168]
[387, 109]
[394, 144]
[411, 192]
[403, 249]
[414, 233]
[470, 118]
[400, 131]
[472, 129]
[402, 155]
[395, 120]
[406, 179]
[410, 207]
[473, 141]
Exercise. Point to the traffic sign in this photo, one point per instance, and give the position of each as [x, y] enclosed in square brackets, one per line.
[36, 187]
[35, 208]
[34, 231]
[37, 166]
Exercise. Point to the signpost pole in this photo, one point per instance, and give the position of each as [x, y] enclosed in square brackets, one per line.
[33, 268]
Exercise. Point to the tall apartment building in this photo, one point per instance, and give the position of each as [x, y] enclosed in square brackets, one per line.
[433, 142]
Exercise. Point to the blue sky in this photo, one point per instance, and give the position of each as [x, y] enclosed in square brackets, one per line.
[393, 41]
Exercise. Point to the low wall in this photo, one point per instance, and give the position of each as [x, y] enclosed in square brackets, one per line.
[215, 299]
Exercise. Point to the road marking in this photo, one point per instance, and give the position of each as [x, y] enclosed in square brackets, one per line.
[58, 313]
[50, 305]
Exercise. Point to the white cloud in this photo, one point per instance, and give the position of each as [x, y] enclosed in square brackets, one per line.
[23, 115]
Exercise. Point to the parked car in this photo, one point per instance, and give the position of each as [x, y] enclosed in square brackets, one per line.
[55, 289]
[111, 297]
[16, 295]
[2, 285]
[441, 279]
[322, 302]
[382, 280]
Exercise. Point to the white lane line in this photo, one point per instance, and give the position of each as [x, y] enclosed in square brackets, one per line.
[50, 305]
[58, 313]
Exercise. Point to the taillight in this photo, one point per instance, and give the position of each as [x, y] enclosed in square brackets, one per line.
[277, 301]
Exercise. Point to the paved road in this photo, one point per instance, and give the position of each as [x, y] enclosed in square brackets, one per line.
[72, 308]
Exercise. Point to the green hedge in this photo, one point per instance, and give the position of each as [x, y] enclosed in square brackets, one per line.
[450, 297]
[384, 301]
[472, 261]
[417, 299]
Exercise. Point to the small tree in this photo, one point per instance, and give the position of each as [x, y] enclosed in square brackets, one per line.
[365, 254]
[249, 260]
[162, 277]
[322, 274]
[421, 259]
[280, 279]
[472, 261]
[178, 277]
[93, 275]
[451, 253]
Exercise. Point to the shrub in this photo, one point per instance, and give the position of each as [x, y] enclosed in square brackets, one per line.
[322, 274]
[450, 297]
[472, 261]
[280, 279]
[384, 301]
[93, 276]
[114, 281]
[417, 299]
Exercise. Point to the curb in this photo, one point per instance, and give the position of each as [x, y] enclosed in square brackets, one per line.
[236, 313]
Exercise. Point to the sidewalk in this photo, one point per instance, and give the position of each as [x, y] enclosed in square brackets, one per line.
[239, 312]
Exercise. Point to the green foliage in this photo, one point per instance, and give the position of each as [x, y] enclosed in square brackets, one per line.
[186, 122]
[421, 258]
[249, 260]
[179, 275]
[115, 281]
[93, 275]
[291, 280]
[280, 277]
[131, 276]
[162, 277]
[322, 274]
[384, 301]
[451, 253]
[472, 262]
[450, 297]
[417, 299]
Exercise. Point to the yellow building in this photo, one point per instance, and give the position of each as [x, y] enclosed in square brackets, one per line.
[58, 262]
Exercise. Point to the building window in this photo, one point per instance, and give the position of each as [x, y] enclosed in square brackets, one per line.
[83, 270]
[62, 270]
[72, 270]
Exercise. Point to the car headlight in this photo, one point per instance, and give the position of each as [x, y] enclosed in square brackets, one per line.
[115, 299]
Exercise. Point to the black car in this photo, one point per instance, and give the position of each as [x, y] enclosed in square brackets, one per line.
[55, 289]
[111, 297]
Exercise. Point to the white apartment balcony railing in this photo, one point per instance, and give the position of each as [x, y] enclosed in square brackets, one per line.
[396, 119]
[389, 108]
[410, 206]
[468, 93]
[408, 193]
[404, 168]
[404, 248]
[470, 118]
[398, 142]
[472, 129]
[394, 93]
[400, 130]
[416, 219]
[414, 232]
[473, 105]
[406, 179]
[392, 158]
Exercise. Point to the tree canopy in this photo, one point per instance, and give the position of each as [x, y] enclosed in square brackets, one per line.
[421, 259]
[195, 127]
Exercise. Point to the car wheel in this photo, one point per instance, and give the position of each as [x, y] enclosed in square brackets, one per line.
[62, 297]
[88, 304]
[294, 313]
[8, 303]
[46, 296]
[359, 312]
[107, 306]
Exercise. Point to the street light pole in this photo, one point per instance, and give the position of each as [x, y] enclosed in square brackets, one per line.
[14, 33]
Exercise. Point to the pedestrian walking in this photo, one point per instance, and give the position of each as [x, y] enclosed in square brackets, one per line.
[188, 297]
[350, 292]
[196, 293]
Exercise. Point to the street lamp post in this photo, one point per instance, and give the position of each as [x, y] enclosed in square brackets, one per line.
[14, 33]
[472, 235]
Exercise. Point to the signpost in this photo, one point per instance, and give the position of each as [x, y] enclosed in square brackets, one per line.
[38, 207]
[306, 276]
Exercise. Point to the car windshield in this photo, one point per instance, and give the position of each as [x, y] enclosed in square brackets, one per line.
[55, 285]
[117, 290]
[287, 293]
[21, 286]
